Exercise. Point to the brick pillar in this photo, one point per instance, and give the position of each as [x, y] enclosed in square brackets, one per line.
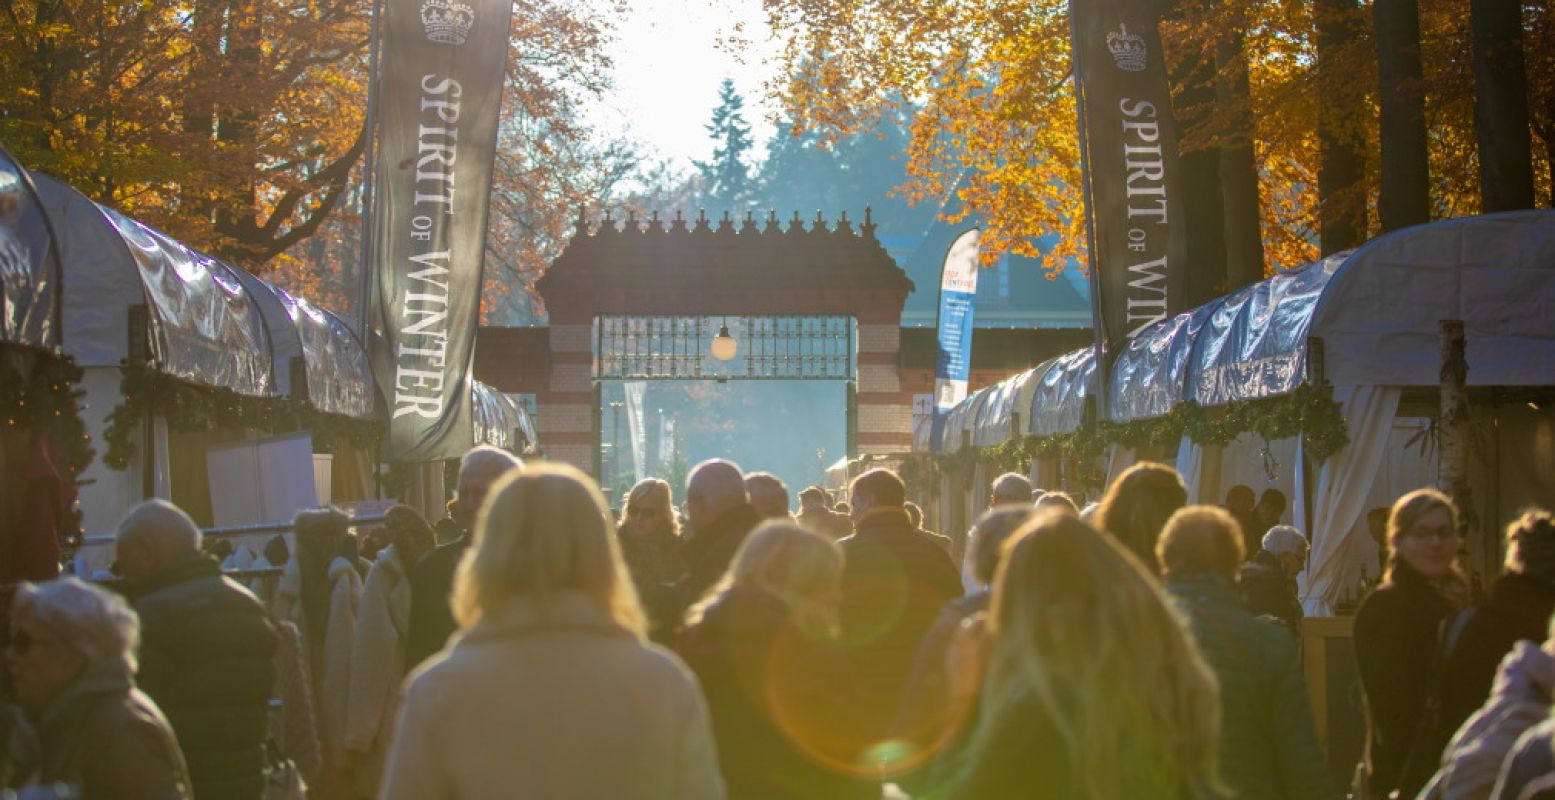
[884, 409]
[566, 409]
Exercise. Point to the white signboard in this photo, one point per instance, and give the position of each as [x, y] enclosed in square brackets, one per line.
[261, 481]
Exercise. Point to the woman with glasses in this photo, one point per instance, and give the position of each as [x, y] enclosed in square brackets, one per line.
[1399, 642]
[649, 533]
[72, 658]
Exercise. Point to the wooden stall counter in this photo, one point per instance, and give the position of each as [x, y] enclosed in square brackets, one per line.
[1333, 683]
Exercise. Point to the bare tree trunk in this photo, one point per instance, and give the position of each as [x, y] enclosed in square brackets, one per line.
[1452, 474]
[1405, 197]
[1238, 169]
[1341, 175]
[1501, 106]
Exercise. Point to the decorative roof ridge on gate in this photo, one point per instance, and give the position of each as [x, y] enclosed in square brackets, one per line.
[728, 264]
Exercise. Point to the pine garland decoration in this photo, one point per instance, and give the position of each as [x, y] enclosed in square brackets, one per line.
[192, 409]
[42, 391]
[1309, 412]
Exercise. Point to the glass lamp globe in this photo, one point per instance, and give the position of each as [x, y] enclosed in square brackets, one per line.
[724, 346]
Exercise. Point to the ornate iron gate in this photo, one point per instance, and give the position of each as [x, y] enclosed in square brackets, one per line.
[646, 347]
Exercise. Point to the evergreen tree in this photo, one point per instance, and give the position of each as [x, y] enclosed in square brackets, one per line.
[726, 178]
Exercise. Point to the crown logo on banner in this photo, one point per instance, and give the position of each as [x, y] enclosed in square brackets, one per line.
[1128, 50]
[447, 21]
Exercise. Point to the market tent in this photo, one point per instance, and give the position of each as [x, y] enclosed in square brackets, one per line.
[997, 418]
[499, 420]
[961, 419]
[206, 328]
[29, 279]
[1058, 405]
[335, 364]
[1377, 312]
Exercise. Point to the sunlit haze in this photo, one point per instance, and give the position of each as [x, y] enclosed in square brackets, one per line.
[669, 61]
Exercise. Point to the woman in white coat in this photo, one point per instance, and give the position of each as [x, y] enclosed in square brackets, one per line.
[551, 689]
[378, 657]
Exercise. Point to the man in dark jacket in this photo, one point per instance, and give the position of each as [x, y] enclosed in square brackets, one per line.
[895, 582]
[1268, 580]
[1269, 748]
[432, 579]
[720, 516]
[207, 653]
[1517, 608]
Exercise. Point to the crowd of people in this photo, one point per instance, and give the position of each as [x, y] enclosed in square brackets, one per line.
[1139, 647]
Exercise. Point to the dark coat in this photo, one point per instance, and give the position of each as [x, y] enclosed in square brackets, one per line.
[207, 657]
[1021, 757]
[656, 565]
[1517, 608]
[894, 584]
[1268, 744]
[1397, 628]
[754, 665]
[1266, 589]
[107, 739]
[931, 720]
[431, 618]
[824, 520]
[707, 554]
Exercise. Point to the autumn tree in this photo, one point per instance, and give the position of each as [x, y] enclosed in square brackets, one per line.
[232, 124]
[238, 127]
[993, 83]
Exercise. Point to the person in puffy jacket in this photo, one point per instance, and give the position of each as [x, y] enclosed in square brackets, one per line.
[207, 653]
[1268, 745]
[1519, 700]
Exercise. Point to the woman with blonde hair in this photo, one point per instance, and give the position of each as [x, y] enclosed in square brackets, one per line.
[761, 643]
[649, 533]
[550, 689]
[1093, 689]
[1399, 642]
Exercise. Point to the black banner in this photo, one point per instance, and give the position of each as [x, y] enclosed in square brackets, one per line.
[441, 86]
[1128, 138]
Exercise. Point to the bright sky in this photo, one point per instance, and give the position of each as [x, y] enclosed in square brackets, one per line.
[668, 65]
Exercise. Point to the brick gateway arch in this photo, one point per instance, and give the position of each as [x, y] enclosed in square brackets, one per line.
[783, 282]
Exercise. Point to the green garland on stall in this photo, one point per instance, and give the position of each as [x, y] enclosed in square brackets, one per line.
[1309, 412]
[48, 397]
[191, 409]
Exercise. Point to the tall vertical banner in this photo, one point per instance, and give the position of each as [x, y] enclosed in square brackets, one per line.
[442, 75]
[636, 427]
[1138, 235]
[957, 288]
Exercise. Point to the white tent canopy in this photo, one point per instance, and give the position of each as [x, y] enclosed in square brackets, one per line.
[335, 364]
[29, 285]
[1377, 311]
[205, 326]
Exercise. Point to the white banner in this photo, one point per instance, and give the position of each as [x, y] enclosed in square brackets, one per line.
[636, 428]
